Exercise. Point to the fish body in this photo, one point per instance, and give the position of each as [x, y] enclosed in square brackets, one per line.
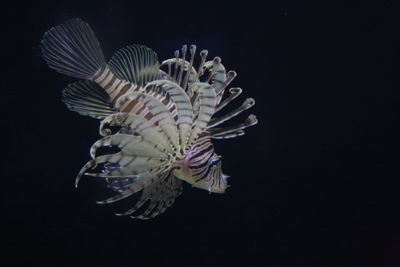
[165, 115]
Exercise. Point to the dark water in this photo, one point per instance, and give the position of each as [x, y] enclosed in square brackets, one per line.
[313, 184]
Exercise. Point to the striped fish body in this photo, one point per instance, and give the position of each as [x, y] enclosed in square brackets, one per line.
[112, 85]
[201, 167]
[164, 114]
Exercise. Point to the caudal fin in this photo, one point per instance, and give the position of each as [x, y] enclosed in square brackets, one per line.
[73, 49]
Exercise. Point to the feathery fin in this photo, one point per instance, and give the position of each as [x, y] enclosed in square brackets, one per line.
[130, 145]
[207, 101]
[138, 125]
[234, 92]
[250, 121]
[73, 49]
[183, 106]
[161, 195]
[88, 99]
[248, 103]
[135, 63]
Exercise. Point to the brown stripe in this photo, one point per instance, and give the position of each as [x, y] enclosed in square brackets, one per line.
[108, 85]
[141, 109]
[206, 105]
[116, 87]
[131, 105]
[149, 116]
[207, 97]
[165, 101]
[172, 95]
[160, 112]
[105, 77]
[121, 92]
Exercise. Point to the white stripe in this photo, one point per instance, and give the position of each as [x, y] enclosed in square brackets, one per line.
[110, 75]
[105, 72]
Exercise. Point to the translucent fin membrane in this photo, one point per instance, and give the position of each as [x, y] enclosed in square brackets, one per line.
[192, 53]
[207, 102]
[160, 195]
[250, 121]
[183, 107]
[228, 135]
[89, 99]
[134, 124]
[131, 145]
[135, 63]
[154, 111]
[248, 103]
[72, 49]
[140, 183]
[181, 71]
[234, 92]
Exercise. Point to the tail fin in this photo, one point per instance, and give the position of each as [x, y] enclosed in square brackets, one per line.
[73, 49]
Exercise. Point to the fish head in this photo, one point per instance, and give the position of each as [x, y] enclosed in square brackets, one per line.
[202, 170]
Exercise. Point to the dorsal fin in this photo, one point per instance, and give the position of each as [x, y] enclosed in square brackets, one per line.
[135, 63]
[88, 99]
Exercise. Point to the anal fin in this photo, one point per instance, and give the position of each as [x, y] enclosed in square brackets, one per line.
[88, 99]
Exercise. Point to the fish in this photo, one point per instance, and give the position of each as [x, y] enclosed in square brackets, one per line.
[157, 120]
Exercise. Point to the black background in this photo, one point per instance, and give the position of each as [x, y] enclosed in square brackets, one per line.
[313, 184]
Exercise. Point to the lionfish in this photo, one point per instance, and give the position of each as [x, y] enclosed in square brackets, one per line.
[158, 117]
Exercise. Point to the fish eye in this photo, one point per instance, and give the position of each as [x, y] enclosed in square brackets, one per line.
[215, 161]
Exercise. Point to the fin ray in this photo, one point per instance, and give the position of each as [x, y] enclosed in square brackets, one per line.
[88, 99]
[183, 106]
[207, 102]
[138, 125]
[130, 145]
[135, 63]
[153, 109]
[73, 49]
